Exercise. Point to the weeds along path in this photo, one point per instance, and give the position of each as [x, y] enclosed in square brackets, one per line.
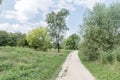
[73, 69]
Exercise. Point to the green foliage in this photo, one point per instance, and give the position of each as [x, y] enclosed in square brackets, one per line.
[3, 38]
[107, 57]
[21, 40]
[57, 25]
[39, 39]
[17, 63]
[116, 52]
[101, 30]
[102, 72]
[12, 39]
[110, 57]
[118, 56]
[73, 42]
[17, 39]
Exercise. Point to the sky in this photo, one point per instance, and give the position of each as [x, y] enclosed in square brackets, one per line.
[24, 15]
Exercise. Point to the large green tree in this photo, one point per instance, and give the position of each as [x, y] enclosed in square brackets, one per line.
[38, 38]
[57, 25]
[101, 28]
[73, 41]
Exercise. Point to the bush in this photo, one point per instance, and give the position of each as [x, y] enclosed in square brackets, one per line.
[110, 57]
[103, 57]
[106, 57]
[118, 57]
[117, 53]
[72, 42]
[89, 52]
[39, 39]
[100, 32]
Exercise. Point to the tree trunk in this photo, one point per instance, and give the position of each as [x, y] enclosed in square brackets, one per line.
[58, 45]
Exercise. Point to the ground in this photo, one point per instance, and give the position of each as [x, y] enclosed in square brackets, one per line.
[73, 69]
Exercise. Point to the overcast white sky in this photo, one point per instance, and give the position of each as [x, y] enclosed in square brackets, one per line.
[24, 15]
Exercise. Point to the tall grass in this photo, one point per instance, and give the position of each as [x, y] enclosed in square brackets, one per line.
[107, 67]
[26, 64]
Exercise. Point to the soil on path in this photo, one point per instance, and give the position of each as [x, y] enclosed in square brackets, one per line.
[73, 69]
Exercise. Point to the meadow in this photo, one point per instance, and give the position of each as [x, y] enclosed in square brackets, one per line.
[102, 71]
[18, 63]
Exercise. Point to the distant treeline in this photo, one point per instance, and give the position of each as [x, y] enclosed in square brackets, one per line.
[12, 39]
[37, 39]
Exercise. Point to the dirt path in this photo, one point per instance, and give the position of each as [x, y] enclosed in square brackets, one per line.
[73, 69]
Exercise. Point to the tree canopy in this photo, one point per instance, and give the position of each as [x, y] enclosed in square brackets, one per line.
[12, 39]
[57, 25]
[38, 38]
[101, 29]
[73, 41]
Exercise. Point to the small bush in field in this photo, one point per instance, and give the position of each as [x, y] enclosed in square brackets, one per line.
[110, 57]
[103, 57]
[117, 53]
[107, 57]
[118, 57]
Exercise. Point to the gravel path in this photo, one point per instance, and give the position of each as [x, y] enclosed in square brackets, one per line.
[73, 69]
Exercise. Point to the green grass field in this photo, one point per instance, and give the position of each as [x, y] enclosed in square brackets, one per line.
[26, 64]
[102, 72]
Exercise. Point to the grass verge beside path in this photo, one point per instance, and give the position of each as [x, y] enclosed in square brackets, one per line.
[27, 64]
[102, 72]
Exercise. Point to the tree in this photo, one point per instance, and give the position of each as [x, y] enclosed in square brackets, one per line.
[73, 42]
[21, 40]
[12, 39]
[17, 39]
[38, 39]
[101, 28]
[57, 25]
[3, 38]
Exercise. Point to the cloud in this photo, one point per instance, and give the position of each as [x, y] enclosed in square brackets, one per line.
[23, 28]
[88, 3]
[15, 28]
[68, 33]
[43, 23]
[69, 1]
[27, 9]
[24, 10]
[67, 4]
